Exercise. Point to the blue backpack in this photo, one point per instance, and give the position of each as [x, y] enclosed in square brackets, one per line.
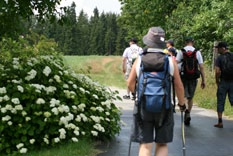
[154, 82]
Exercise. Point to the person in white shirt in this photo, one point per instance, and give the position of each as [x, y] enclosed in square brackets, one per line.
[190, 84]
[129, 56]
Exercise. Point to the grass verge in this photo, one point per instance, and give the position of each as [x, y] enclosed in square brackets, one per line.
[82, 148]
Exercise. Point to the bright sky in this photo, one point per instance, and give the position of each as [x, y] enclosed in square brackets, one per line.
[88, 6]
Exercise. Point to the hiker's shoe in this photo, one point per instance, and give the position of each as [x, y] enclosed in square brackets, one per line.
[133, 97]
[126, 97]
[187, 118]
[218, 125]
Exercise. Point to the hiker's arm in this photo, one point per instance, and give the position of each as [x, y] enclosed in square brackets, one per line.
[217, 75]
[124, 64]
[179, 88]
[202, 76]
[131, 82]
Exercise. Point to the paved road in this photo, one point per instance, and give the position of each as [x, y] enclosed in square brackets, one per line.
[202, 139]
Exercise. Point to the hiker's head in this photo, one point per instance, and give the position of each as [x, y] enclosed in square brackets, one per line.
[170, 43]
[133, 41]
[155, 38]
[189, 40]
[222, 47]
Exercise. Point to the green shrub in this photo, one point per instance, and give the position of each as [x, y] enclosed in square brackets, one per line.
[43, 103]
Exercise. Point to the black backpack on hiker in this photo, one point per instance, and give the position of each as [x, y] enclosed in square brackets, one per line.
[189, 67]
[227, 66]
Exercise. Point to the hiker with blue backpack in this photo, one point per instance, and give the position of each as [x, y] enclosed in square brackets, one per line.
[191, 69]
[129, 56]
[224, 79]
[153, 70]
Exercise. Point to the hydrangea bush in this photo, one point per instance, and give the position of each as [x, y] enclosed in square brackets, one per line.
[43, 103]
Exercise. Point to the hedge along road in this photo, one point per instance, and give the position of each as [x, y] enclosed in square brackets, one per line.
[202, 139]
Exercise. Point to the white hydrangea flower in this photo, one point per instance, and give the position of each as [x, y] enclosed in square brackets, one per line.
[46, 140]
[53, 102]
[57, 78]
[95, 96]
[99, 127]
[9, 123]
[28, 118]
[50, 89]
[75, 86]
[74, 107]
[107, 113]
[47, 70]
[47, 114]
[76, 133]
[20, 88]
[18, 107]
[74, 139]
[32, 141]
[81, 106]
[78, 118]
[20, 145]
[82, 90]
[16, 81]
[31, 75]
[83, 117]
[94, 133]
[62, 133]
[3, 90]
[15, 101]
[40, 101]
[6, 118]
[1, 99]
[107, 119]
[23, 150]
[55, 111]
[65, 86]
[95, 118]
[3, 110]
[70, 82]
[8, 107]
[24, 113]
[83, 133]
[56, 140]
[100, 109]
[6, 98]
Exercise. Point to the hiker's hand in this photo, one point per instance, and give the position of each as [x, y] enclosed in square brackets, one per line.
[182, 107]
[202, 85]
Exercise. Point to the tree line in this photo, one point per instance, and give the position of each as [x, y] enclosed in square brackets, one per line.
[80, 35]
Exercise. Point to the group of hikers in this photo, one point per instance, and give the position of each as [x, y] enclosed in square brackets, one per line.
[158, 70]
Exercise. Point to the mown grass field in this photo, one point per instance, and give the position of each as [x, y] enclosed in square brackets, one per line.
[107, 70]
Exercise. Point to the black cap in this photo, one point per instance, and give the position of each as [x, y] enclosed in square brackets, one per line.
[133, 40]
[170, 42]
[222, 45]
[189, 39]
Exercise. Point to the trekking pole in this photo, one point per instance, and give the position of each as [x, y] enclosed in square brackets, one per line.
[173, 95]
[130, 142]
[183, 133]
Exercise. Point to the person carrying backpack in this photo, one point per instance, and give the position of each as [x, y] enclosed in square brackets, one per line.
[224, 79]
[129, 56]
[153, 70]
[191, 69]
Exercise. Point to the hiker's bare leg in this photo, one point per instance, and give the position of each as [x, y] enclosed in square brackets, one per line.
[190, 104]
[161, 150]
[145, 149]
